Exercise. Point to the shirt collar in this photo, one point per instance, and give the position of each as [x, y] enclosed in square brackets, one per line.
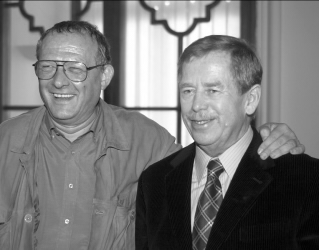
[230, 158]
[95, 128]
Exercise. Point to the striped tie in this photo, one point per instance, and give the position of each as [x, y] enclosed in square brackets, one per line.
[208, 205]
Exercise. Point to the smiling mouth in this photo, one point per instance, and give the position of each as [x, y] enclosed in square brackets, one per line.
[62, 96]
[201, 122]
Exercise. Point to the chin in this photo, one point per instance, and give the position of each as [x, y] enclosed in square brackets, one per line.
[62, 115]
[205, 140]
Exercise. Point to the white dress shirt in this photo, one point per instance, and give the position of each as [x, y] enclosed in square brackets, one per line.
[230, 160]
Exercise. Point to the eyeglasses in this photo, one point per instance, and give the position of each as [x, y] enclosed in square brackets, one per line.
[75, 71]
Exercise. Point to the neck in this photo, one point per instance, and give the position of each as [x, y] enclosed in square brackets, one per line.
[73, 132]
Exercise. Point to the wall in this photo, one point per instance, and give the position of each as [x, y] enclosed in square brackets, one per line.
[300, 71]
[292, 37]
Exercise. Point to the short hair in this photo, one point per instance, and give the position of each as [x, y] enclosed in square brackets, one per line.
[103, 55]
[245, 66]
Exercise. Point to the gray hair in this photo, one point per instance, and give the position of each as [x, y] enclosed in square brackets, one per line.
[103, 55]
[245, 66]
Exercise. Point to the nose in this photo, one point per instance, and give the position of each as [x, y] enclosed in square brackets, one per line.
[199, 102]
[60, 80]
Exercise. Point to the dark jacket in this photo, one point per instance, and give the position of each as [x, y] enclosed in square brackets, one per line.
[272, 204]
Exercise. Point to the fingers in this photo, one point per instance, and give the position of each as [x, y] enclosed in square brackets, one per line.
[264, 132]
[280, 141]
[278, 148]
[270, 138]
[300, 149]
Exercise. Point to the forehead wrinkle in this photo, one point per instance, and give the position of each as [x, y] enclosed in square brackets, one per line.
[72, 49]
[68, 47]
[63, 48]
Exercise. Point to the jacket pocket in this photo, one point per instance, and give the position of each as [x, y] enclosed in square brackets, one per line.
[5, 229]
[124, 226]
[112, 226]
[269, 231]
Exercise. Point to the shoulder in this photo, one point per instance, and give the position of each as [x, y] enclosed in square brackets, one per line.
[169, 163]
[17, 127]
[128, 119]
[152, 179]
[161, 167]
[302, 168]
[148, 141]
[297, 160]
[133, 118]
[138, 127]
[19, 122]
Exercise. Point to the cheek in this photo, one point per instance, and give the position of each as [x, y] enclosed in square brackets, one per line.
[42, 85]
[43, 90]
[186, 106]
[228, 114]
[235, 114]
[90, 94]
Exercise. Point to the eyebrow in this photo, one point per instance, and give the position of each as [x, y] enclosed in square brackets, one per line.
[184, 84]
[206, 84]
[213, 84]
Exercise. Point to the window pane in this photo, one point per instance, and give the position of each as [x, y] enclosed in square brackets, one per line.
[167, 119]
[186, 138]
[225, 20]
[179, 14]
[23, 84]
[150, 61]
[94, 15]
[151, 55]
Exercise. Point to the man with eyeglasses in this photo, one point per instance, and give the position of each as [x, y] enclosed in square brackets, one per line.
[69, 169]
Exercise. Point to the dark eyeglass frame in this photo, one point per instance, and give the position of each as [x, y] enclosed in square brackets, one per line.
[64, 70]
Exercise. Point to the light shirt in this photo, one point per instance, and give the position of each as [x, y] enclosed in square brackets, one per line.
[66, 186]
[230, 160]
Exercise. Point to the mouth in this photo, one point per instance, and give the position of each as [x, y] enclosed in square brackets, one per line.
[201, 122]
[66, 96]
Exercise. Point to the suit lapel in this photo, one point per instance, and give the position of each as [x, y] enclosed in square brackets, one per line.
[249, 181]
[178, 193]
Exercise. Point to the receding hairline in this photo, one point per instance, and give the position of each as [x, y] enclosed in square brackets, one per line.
[192, 58]
[83, 33]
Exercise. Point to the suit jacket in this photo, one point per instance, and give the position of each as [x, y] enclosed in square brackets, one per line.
[271, 204]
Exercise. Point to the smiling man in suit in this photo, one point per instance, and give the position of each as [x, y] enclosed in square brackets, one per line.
[217, 193]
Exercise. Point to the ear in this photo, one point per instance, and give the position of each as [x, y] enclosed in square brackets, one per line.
[107, 76]
[252, 99]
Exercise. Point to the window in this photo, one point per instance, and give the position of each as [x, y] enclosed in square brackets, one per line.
[151, 54]
[145, 56]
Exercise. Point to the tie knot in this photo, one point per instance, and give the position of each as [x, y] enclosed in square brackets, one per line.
[215, 167]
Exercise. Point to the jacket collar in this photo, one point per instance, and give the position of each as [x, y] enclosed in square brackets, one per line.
[31, 131]
[249, 181]
[114, 134]
[178, 190]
